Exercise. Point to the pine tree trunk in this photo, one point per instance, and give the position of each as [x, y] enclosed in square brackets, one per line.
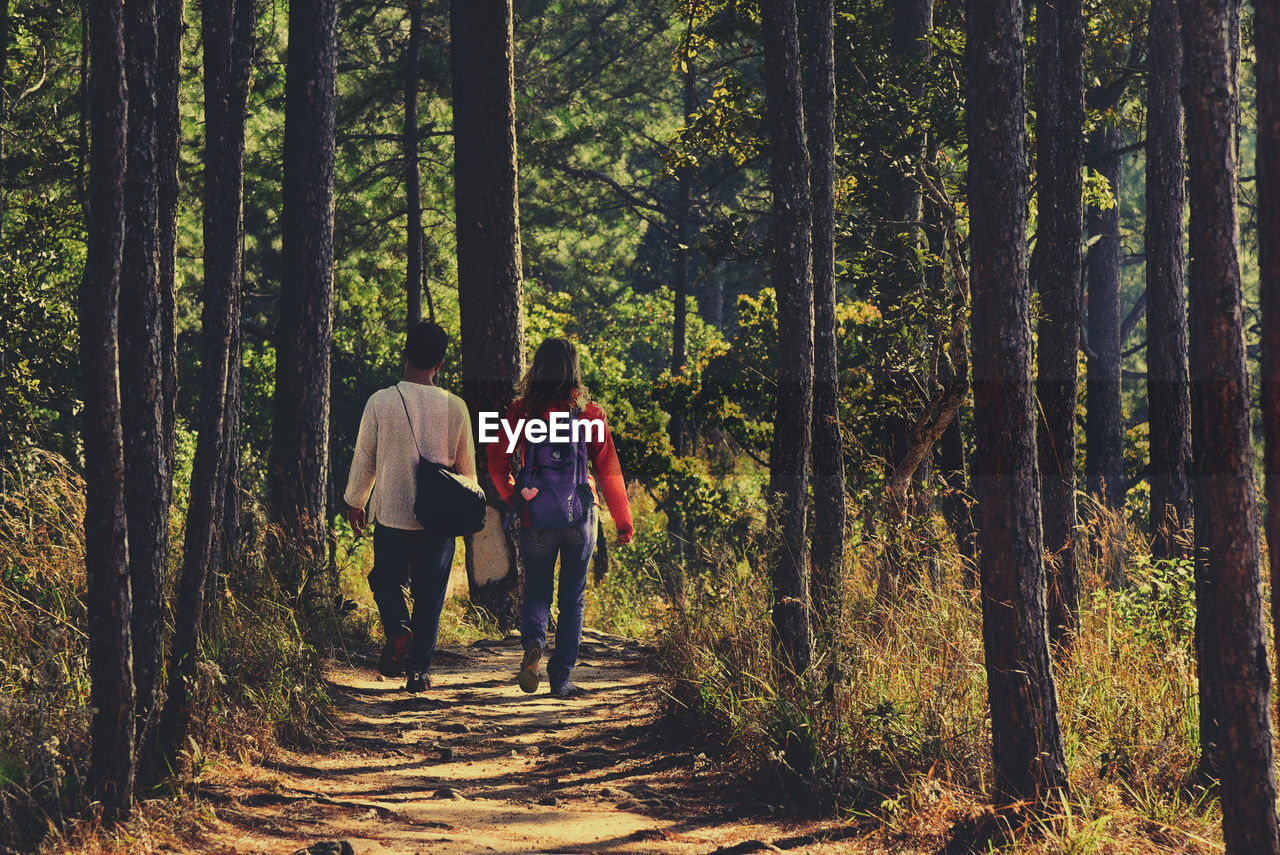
[1267, 76]
[1234, 673]
[679, 331]
[1104, 427]
[1027, 749]
[793, 425]
[412, 175]
[111, 769]
[489, 268]
[299, 462]
[147, 477]
[1059, 230]
[956, 501]
[168, 80]
[1168, 383]
[227, 31]
[818, 49]
[4, 104]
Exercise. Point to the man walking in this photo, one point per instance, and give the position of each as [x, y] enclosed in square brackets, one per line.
[413, 419]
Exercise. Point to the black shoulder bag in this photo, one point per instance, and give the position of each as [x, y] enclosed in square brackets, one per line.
[445, 502]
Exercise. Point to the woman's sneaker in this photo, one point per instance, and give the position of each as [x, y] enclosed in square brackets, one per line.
[391, 663]
[567, 691]
[529, 678]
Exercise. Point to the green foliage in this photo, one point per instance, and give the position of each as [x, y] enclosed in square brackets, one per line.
[1160, 604]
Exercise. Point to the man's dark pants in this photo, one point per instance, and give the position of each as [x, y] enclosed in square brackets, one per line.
[422, 561]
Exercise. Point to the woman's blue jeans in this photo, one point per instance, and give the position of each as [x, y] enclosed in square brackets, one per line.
[539, 550]
[423, 561]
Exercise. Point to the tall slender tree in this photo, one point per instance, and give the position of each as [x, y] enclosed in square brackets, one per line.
[1234, 673]
[817, 46]
[299, 460]
[1168, 381]
[168, 79]
[1026, 738]
[412, 168]
[1266, 29]
[227, 31]
[489, 274]
[1059, 231]
[1104, 428]
[4, 76]
[111, 770]
[793, 425]
[147, 476]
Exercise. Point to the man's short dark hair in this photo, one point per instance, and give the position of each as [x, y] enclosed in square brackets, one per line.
[425, 345]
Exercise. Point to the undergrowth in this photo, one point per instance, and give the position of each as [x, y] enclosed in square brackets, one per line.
[890, 726]
[260, 680]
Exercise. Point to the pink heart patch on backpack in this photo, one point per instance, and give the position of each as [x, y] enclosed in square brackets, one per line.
[528, 493]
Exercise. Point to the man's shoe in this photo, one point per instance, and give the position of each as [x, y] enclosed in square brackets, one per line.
[419, 681]
[567, 691]
[391, 663]
[529, 678]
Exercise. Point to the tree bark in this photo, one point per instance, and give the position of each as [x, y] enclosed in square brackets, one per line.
[679, 332]
[1027, 749]
[299, 460]
[412, 174]
[4, 103]
[817, 40]
[793, 425]
[489, 268]
[1267, 75]
[1168, 381]
[147, 478]
[1234, 673]
[1059, 231]
[956, 502]
[1104, 427]
[168, 81]
[227, 30]
[111, 769]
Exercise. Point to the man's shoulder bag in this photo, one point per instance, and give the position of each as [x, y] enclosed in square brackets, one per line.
[445, 502]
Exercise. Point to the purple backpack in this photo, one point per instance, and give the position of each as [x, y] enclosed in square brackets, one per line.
[552, 481]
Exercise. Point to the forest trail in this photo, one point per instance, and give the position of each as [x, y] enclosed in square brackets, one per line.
[475, 765]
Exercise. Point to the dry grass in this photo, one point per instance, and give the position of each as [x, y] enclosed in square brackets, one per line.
[260, 680]
[893, 725]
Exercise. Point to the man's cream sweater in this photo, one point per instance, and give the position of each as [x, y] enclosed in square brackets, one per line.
[386, 458]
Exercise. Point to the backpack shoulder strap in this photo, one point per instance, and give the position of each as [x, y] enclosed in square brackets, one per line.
[412, 432]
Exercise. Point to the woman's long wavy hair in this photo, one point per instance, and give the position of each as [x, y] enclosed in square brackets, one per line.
[554, 377]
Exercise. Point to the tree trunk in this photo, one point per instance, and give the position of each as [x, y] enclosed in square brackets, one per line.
[4, 104]
[1027, 747]
[111, 769]
[168, 80]
[793, 425]
[412, 175]
[489, 269]
[1234, 673]
[1059, 229]
[679, 332]
[147, 478]
[817, 34]
[227, 30]
[1267, 75]
[299, 462]
[956, 501]
[1168, 383]
[1104, 427]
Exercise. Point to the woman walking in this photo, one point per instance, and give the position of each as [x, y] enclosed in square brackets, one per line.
[547, 480]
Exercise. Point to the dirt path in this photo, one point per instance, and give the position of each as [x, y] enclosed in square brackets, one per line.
[475, 765]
